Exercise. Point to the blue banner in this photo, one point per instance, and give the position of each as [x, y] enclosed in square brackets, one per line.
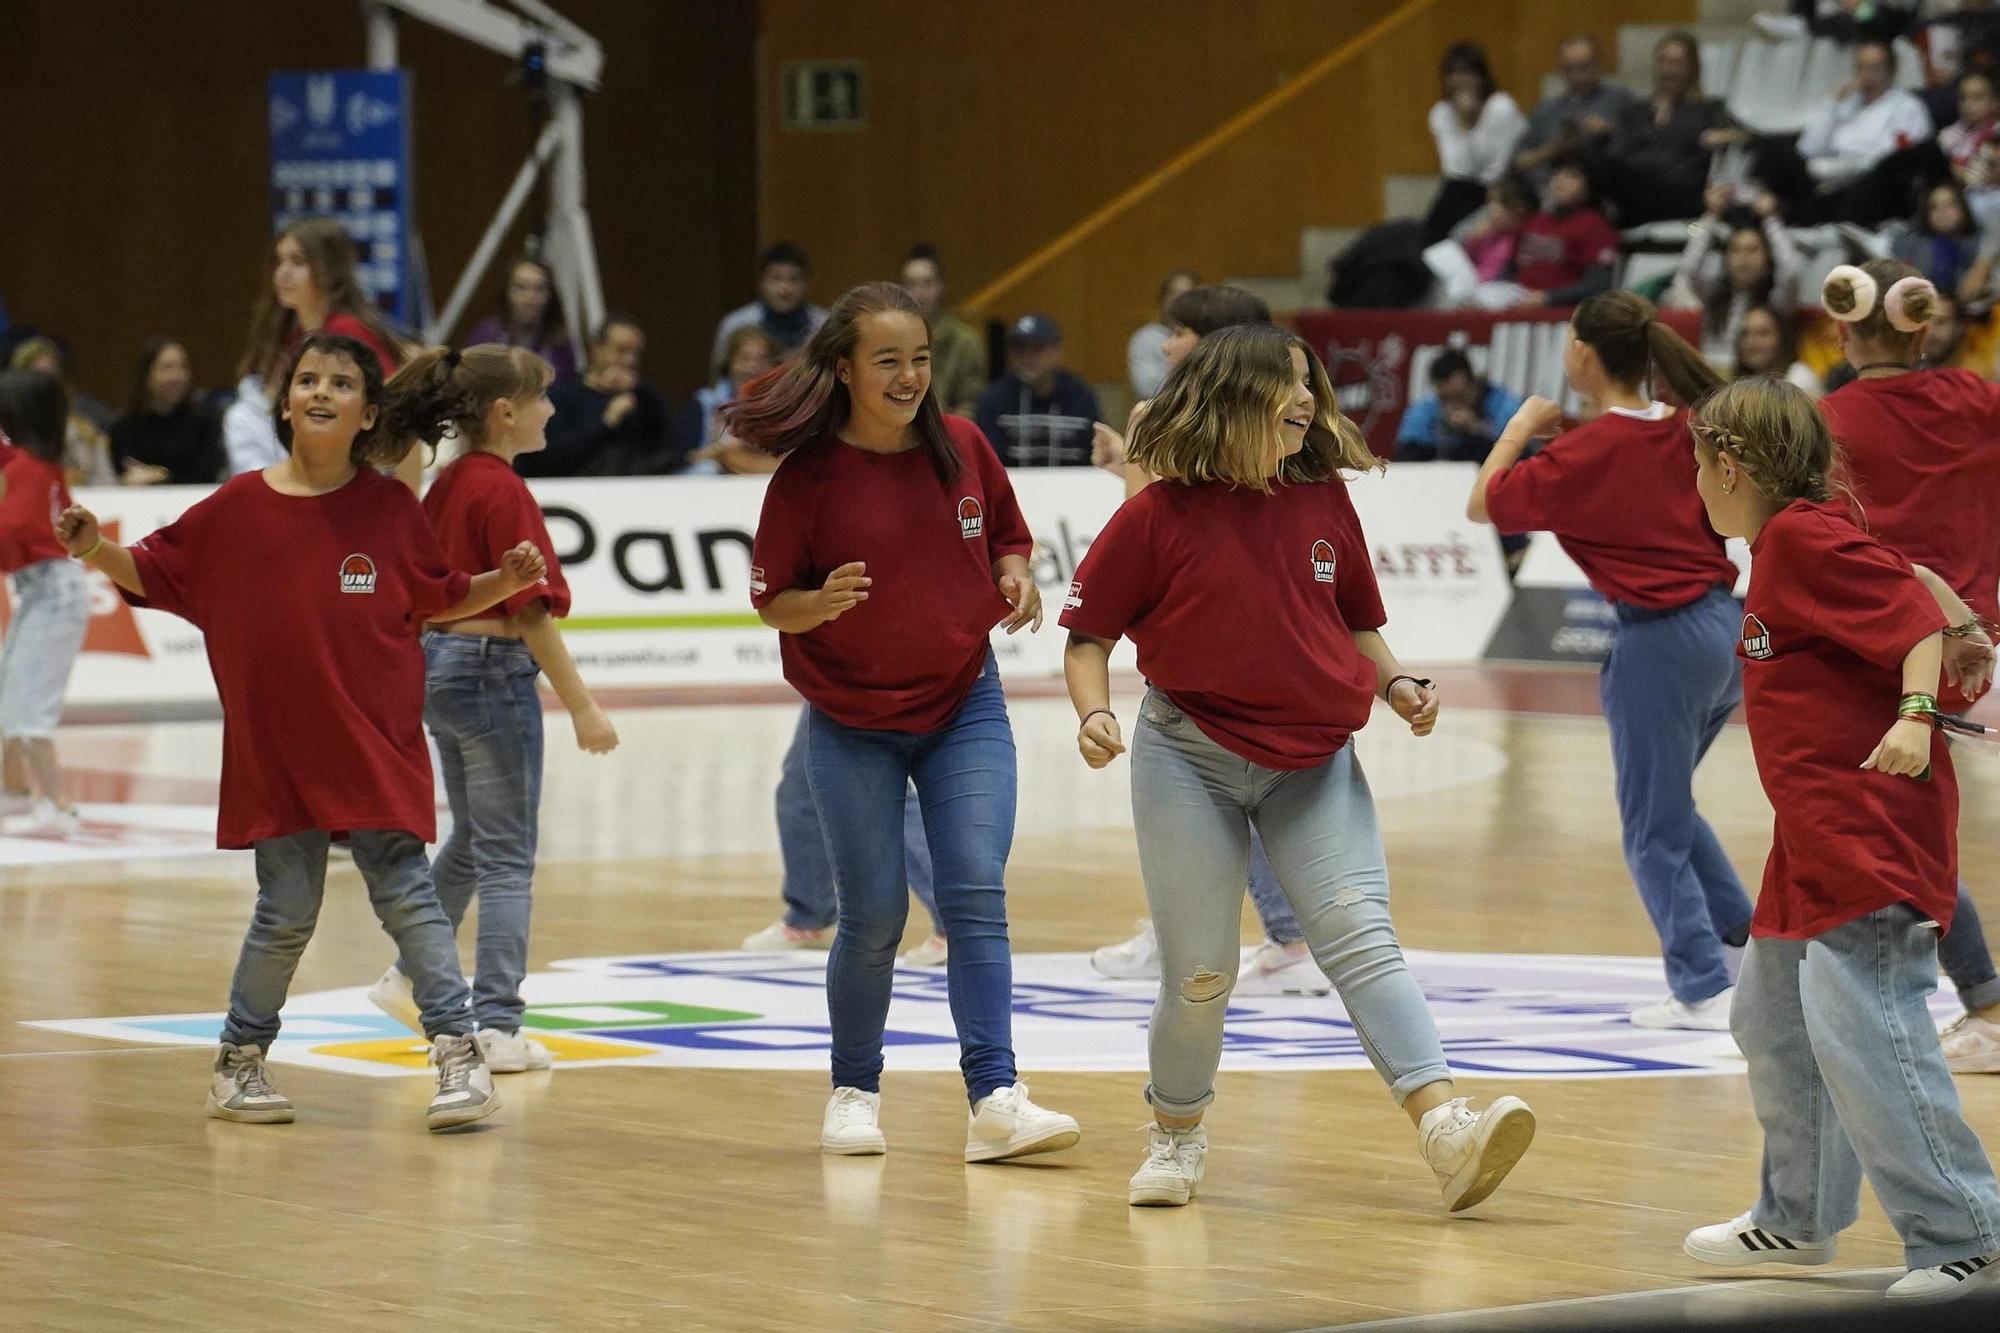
[340, 147]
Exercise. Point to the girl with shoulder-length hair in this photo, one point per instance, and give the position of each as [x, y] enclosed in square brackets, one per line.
[1919, 450]
[309, 582]
[889, 547]
[529, 314]
[1251, 523]
[1475, 126]
[1619, 496]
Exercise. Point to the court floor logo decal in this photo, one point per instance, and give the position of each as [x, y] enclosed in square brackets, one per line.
[1517, 1015]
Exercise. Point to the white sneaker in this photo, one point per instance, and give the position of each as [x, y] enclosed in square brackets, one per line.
[931, 953]
[240, 1089]
[852, 1126]
[1136, 959]
[1971, 1045]
[1738, 1242]
[1473, 1152]
[1710, 1015]
[394, 996]
[512, 1052]
[45, 820]
[1947, 1282]
[1271, 969]
[1781, 27]
[465, 1085]
[778, 935]
[1172, 1170]
[1006, 1124]
[14, 803]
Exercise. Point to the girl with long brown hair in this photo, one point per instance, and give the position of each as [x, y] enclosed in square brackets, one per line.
[309, 581]
[889, 547]
[1251, 524]
[1617, 494]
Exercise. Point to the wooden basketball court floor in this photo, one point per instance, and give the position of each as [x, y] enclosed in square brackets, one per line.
[620, 1194]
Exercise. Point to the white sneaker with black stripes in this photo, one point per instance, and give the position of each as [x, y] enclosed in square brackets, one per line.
[1948, 1281]
[1740, 1242]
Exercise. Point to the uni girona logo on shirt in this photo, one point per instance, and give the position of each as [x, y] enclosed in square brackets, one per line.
[1073, 599]
[1323, 561]
[1756, 639]
[357, 574]
[971, 519]
[757, 580]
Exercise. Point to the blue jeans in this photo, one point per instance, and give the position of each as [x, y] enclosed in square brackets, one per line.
[291, 880]
[1964, 957]
[808, 887]
[1847, 1075]
[481, 706]
[1281, 923]
[965, 778]
[1193, 805]
[1668, 687]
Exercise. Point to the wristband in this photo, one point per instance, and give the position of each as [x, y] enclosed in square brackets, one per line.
[1389, 689]
[1093, 713]
[95, 547]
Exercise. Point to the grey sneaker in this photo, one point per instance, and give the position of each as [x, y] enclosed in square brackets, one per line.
[465, 1085]
[241, 1090]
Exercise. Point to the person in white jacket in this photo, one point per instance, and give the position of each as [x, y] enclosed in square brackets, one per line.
[1476, 127]
[1826, 174]
[248, 431]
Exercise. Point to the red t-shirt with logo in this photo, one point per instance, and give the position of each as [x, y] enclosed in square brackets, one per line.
[36, 493]
[1557, 249]
[310, 607]
[480, 509]
[1923, 457]
[1244, 607]
[1830, 616]
[905, 659]
[1618, 493]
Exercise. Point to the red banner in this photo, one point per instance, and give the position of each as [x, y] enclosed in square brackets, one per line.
[1380, 359]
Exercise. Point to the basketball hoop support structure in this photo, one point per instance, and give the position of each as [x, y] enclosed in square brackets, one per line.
[573, 62]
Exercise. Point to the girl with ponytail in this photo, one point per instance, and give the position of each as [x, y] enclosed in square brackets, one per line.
[309, 581]
[491, 402]
[1619, 496]
[1922, 452]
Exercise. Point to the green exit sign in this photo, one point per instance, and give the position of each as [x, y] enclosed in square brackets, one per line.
[825, 95]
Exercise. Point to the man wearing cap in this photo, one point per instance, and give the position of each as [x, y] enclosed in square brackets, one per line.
[1038, 414]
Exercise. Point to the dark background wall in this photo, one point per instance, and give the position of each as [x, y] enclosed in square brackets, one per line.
[134, 199]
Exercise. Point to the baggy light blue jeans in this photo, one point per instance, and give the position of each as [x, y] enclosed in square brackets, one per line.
[1193, 805]
[1847, 1076]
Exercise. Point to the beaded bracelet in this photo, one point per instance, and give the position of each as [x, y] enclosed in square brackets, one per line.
[1976, 625]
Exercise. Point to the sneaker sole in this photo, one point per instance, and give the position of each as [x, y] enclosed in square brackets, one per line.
[878, 1148]
[1983, 1281]
[1507, 1138]
[1159, 1196]
[1974, 1064]
[1725, 1257]
[221, 1112]
[1110, 975]
[1054, 1140]
[460, 1115]
[1709, 1026]
[409, 1017]
[1253, 988]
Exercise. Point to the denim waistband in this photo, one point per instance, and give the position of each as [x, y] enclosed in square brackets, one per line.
[474, 645]
[1635, 615]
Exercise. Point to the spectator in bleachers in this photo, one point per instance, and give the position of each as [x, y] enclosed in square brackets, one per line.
[1145, 355]
[1839, 167]
[1767, 344]
[1759, 266]
[86, 450]
[1945, 244]
[1460, 419]
[958, 355]
[1476, 127]
[1945, 346]
[166, 435]
[609, 422]
[1654, 163]
[750, 353]
[1566, 253]
[781, 309]
[1964, 41]
[1968, 142]
[1481, 249]
[529, 315]
[1578, 118]
[1845, 21]
[248, 435]
[1038, 414]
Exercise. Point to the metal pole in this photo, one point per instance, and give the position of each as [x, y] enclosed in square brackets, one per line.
[382, 53]
[496, 231]
[577, 258]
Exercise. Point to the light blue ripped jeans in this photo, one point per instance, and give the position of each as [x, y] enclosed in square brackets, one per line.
[1190, 800]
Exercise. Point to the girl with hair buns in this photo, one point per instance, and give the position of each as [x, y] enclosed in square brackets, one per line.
[480, 701]
[889, 547]
[1251, 523]
[1617, 495]
[309, 581]
[1922, 452]
[1843, 643]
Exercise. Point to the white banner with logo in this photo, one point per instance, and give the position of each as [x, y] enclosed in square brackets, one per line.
[660, 571]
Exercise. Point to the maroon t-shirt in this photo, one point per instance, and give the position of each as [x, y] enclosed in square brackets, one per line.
[1557, 249]
[1830, 616]
[1244, 608]
[36, 493]
[1618, 493]
[310, 607]
[905, 659]
[480, 509]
